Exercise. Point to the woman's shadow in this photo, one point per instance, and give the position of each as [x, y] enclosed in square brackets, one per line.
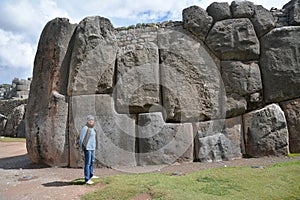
[79, 181]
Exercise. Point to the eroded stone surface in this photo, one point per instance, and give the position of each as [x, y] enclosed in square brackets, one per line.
[47, 110]
[197, 21]
[234, 39]
[292, 113]
[191, 83]
[115, 132]
[93, 57]
[280, 64]
[266, 132]
[138, 80]
[163, 143]
[219, 140]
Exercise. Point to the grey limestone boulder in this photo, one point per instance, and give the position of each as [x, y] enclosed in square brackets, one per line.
[163, 143]
[219, 140]
[266, 132]
[46, 119]
[93, 57]
[280, 64]
[292, 9]
[192, 87]
[235, 105]
[241, 80]
[242, 9]
[3, 122]
[234, 39]
[263, 20]
[115, 132]
[137, 88]
[15, 122]
[219, 11]
[292, 113]
[197, 21]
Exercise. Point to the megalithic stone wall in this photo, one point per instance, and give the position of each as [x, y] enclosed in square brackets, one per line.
[221, 84]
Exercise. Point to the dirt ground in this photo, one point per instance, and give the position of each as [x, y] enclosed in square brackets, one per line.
[20, 179]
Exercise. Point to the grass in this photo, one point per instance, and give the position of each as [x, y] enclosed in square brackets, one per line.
[292, 155]
[280, 181]
[11, 139]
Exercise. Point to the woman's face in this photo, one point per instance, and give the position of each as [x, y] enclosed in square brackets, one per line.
[91, 122]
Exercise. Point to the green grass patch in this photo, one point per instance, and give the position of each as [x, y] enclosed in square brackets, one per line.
[280, 181]
[11, 139]
[292, 155]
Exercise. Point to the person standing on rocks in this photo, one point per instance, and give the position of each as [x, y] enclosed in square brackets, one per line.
[88, 143]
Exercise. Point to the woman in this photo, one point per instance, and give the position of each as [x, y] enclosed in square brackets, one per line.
[88, 144]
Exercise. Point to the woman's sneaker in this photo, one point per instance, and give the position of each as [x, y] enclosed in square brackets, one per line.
[95, 176]
[89, 182]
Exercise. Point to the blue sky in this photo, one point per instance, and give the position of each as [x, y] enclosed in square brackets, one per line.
[22, 21]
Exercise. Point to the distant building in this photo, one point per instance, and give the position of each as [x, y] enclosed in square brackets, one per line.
[19, 89]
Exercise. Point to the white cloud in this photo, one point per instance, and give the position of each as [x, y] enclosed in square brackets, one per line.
[15, 52]
[21, 23]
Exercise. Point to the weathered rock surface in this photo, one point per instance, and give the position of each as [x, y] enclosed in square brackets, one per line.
[266, 132]
[219, 11]
[3, 121]
[280, 64]
[163, 143]
[292, 9]
[93, 57]
[219, 140]
[47, 109]
[115, 132]
[263, 20]
[235, 105]
[15, 122]
[241, 80]
[137, 88]
[234, 39]
[292, 113]
[197, 21]
[242, 9]
[191, 82]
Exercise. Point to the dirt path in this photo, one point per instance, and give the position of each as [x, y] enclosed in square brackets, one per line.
[22, 180]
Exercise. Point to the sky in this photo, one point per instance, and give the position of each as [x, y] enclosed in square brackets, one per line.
[22, 21]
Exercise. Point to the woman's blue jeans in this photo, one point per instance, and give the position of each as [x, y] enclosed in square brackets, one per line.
[88, 164]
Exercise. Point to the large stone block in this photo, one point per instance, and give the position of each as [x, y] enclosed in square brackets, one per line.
[280, 64]
[219, 140]
[241, 80]
[163, 143]
[46, 119]
[263, 20]
[292, 9]
[235, 105]
[138, 81]
[242, 9]
[192, 87]
[115, 132]
[292, 113]
[15, 122]
[197, 21]
[219, 11]
[234, 39]
[93, 57]
[266, 132]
